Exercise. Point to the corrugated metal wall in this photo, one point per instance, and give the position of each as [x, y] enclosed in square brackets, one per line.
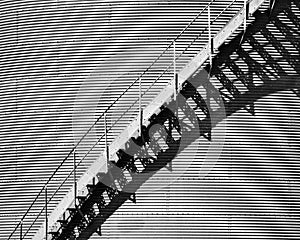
[51, 52]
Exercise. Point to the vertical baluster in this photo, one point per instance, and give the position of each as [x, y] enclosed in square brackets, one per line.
[271, 6]
[75, 184]
[46, 211]
[106, 137]
[174, 71]
[210, 40]
[140, 107]
[245, 15]
[21, 229]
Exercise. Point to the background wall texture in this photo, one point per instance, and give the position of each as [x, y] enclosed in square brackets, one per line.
[51, 52]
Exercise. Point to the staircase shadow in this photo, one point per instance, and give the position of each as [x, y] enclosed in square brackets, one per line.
[260, 80]
[281, 79]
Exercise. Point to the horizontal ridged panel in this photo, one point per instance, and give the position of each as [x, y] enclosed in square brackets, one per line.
[53, 51]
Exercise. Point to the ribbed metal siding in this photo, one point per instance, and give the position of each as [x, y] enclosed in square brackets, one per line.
[42, 73]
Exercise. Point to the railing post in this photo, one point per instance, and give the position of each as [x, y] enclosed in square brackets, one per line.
[245, 15]
[140, 106]
[46, 212]
[271, 6]
[106, 141]
[21, 229]
[75, 184]
[210, 40]
[174, 71]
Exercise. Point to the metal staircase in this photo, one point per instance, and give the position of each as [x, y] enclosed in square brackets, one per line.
[110, 190]
[128, 165]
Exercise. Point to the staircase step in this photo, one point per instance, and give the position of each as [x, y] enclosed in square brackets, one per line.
[54, 233]
[81, 198]
[72, 210]
[62, 222]
[91, 187]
